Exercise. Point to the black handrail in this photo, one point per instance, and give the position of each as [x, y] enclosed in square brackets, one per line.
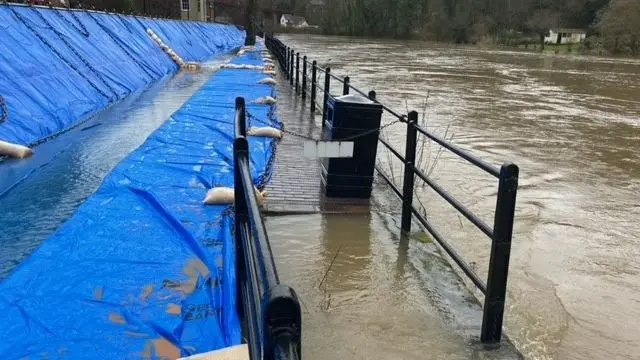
[501, 234]
[271, 311]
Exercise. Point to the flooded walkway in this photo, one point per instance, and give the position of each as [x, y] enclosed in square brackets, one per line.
[572, 124]
[366, 292]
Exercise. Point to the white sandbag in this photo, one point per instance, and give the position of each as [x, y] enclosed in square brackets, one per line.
[14, 150]
[149, 31]
[268, 81]
[269, 72]
[237, 352]
[266, 131]
[225, 195]
[265, 100]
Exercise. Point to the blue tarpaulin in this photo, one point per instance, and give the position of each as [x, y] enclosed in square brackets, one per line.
[59, 66]
[144, 269]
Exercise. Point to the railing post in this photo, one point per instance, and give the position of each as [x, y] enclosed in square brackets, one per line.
[345, 86]
[494, 300]
[291, 68]
[240, 204]
[286, 62]
[297, 72]
[314, 71]
[304, 77]
[327, 89]
[409, 174]
[372, 95]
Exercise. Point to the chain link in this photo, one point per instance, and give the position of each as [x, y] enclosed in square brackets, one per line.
[55, 51]
[307, 137]
[4, 112]
[83, 29]
[124, 49]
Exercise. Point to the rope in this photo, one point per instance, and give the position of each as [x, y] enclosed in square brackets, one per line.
[307, 137]
[83, 29]
[4, 112]
[124, 49]
[55, 51]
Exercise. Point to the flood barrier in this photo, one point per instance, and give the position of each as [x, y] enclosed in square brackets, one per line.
[60, 66]
[144, 269]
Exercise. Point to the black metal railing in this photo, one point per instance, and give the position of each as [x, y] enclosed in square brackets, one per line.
[270, 310]
[501, 234]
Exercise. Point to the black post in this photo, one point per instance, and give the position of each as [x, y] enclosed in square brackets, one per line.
[240, 146]
[250, 26]
[314, 70]
[288, 51]
[499, 258]
[345, 86]
[292, 66]
[372, 95]
[327, 89]
[409, 174]
[297, 72]
[304, 77]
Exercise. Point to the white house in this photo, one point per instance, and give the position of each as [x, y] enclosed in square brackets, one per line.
[565, 36]
[288, 20]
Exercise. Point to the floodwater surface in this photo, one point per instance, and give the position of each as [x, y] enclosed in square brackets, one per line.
[571, 123]
[37, 195]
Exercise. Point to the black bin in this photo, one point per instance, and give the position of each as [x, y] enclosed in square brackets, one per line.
[349, 116]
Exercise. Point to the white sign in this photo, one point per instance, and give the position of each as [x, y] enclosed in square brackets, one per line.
[328, 149]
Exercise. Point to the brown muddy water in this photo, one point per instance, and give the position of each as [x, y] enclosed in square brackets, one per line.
[572, 124]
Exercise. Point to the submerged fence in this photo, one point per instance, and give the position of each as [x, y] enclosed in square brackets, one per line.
[494, 289]
[270, 310]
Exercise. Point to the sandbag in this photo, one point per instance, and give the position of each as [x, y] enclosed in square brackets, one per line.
[226, 196]
[269, 72]
[268, 81]
[265, 100]
[14, 150]
[266, 131]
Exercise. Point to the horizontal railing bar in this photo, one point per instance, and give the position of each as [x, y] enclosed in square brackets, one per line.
[251, 296]
[390, 111]
[393, 186]
[455, 203]
[393, 151]
[260, 232]
[463, 154]
[452, 252]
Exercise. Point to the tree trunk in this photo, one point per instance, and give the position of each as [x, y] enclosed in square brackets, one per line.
[542, 35]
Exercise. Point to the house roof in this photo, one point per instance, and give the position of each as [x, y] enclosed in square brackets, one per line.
[296, 20]
[567, 30]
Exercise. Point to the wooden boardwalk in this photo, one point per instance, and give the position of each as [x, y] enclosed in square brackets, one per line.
[295, 185]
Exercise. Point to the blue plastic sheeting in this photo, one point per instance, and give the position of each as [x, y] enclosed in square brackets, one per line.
[143, 269]
[58, 67]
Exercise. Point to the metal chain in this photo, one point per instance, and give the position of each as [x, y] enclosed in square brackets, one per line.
[55, 51]
[73, 50]
[306, 137]
[82, 31]
[4, 112]
[124, 49]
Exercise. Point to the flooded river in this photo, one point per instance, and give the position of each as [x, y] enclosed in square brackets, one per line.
[572, 124]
